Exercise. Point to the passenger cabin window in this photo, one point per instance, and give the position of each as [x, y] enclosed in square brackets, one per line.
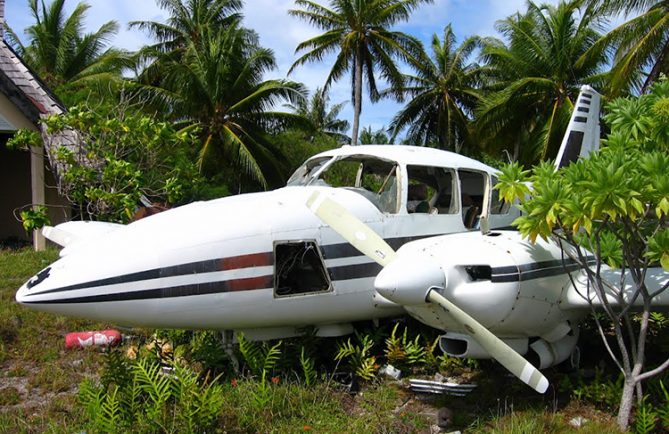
[372, 178]
[299, 269]
[472, 192]
[497, 205]
[430, 190]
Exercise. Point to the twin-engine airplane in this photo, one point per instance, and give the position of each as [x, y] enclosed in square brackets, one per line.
[269, 266]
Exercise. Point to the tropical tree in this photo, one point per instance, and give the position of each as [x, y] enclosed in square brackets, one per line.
[217, 86]
[642, 44]
[612, 209]
[187, 21]
[534, 78]
[357, 31]
[63, 55]
[322, 118]
[442, 95]
[368, 136]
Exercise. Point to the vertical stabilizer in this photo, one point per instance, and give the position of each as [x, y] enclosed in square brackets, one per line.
[582, 135]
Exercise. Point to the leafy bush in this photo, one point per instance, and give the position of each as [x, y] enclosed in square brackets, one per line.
[35, 218]
[116, 155]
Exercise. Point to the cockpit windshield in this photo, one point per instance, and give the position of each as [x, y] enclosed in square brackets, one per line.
[371, 177]
[305, 173]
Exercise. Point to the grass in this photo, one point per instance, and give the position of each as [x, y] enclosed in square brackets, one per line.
[39, 383]
[38, 378]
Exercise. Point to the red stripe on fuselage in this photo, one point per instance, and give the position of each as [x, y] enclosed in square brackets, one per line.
[246, 261]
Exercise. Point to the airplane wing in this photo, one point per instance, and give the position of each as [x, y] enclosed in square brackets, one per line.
[582, 135]
[71, 233]
[580, 295]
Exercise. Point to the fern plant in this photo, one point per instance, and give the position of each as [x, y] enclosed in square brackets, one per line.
[259, 357]
[261, 360]
[150, 400]
[157, 388]
[663, 411]
[395, 351]
[308, 368]
[402, 352]
[110, 420]
[646, 418]
[197, 405]
[361, 363]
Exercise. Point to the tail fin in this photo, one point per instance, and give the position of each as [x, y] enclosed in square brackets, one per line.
[582, 135]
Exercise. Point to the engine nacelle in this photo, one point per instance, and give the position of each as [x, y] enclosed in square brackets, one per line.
[546, 353]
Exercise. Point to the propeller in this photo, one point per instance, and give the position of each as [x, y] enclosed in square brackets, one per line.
[412, 281]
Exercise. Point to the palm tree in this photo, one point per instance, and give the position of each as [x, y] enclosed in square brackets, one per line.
[63, 56]
[216, 86]
[442, 95]
[187, 21]
[534, 79]
[368, 136]
[642, 44]
[357, 31]
[322, 118]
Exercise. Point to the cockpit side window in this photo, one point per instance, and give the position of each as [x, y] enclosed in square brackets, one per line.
[497, 205]
[472, 195]
[430, 190]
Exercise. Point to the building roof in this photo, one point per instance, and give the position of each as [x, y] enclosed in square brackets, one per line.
[24, 88]
[33, 98]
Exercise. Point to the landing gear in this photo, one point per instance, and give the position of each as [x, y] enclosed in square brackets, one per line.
[575, 358]
[228, 343]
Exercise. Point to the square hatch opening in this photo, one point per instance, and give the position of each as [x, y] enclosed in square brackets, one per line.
[299, 269]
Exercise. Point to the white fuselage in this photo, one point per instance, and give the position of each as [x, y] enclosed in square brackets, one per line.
[214, 264]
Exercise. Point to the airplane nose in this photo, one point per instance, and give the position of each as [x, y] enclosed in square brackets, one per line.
[21, 294]
[407, 279]
[30, 287]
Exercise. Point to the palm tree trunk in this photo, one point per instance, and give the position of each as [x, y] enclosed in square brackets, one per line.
[357, 96]
[657, 68]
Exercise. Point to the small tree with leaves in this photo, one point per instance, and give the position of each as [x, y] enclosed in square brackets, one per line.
[118, 156]
[612, 206]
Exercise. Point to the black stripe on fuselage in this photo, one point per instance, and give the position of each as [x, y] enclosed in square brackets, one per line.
[346, 250]
[204, 288]
[524, 272]
[533, 270]
[332, 251]
[206, 266]
[356, 271]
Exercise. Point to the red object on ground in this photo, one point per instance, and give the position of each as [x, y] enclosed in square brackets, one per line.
[93, 339]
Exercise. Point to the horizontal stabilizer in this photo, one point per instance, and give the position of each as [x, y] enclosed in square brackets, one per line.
[582, 136]
[69, 233]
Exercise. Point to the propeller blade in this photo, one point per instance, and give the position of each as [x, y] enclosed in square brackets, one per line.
[361, 236]
[496, 347]
[368, 242]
